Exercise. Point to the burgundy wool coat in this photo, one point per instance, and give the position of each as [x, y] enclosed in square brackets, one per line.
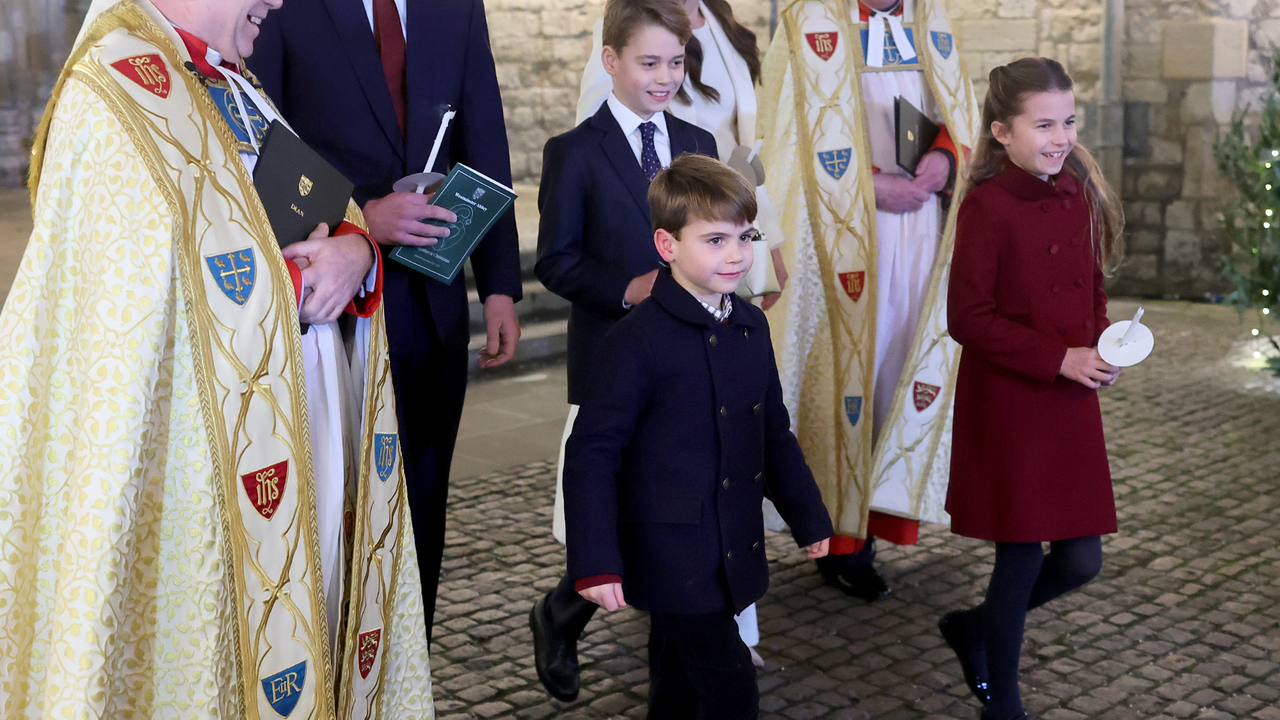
[1028, 458]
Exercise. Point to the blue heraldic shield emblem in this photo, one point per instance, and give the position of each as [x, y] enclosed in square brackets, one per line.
[835, 162]
[257, 122]
[384, 454]
[285, 688]
[892, 56]
[234, 272]
[853, 408]
[944, 42]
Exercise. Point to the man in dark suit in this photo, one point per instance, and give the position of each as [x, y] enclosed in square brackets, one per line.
[366, 85]
[595, 242]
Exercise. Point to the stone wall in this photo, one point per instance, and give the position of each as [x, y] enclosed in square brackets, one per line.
[34, 42]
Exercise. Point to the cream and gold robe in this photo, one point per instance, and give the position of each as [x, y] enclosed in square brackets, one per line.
[819, 156]
[159, 551]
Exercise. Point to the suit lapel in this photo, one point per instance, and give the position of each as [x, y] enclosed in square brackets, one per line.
[682, 141]
[421, 118]
[623, 158]
[353, 27]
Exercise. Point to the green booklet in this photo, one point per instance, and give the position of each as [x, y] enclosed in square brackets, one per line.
[478, 201]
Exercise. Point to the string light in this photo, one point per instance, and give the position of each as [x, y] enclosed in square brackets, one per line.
[1266, 311]
[1275, 153]
[1265, 225]
[1270, 212]
[1257, 355]
[1255, 332]
[1266, 293]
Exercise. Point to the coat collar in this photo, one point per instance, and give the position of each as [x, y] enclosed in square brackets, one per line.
[617, 149]
[1025, 186]
[678, 302]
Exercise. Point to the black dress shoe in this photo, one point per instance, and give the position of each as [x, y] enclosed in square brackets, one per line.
[1020, 716]
[859, 581]
[555, 656]
[973, 660]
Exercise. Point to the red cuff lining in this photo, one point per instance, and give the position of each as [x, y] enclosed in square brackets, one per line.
[595, 581]
[367, 305]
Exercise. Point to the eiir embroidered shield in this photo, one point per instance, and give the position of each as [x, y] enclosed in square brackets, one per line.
[853, 408]
[285, 687]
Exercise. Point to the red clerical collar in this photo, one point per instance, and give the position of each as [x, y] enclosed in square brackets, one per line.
[199, 51]
[864, 12]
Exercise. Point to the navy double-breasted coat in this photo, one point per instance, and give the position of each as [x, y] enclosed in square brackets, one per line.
[682, 433]
[1028, 457]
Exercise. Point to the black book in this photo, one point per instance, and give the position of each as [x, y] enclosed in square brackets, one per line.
[915, 134]
[298, 188]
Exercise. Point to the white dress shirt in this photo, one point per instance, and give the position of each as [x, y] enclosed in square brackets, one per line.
[631, 122]
[368, 10]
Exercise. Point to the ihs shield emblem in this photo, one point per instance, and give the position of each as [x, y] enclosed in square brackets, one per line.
[835, 162]
[234, 273]
[853, 408]
[367, 650]
[384, 454]
[149, 71]
[944, 42]
[265, 487]
[304, 185]
[923, 394]
[854, 283]
[284, 689]
[823, 44]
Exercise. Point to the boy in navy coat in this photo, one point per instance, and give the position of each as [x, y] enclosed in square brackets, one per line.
[682, 434]
[595, 246]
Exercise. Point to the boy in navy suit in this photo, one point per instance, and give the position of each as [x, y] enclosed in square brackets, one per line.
[681, 436]
[595, 247]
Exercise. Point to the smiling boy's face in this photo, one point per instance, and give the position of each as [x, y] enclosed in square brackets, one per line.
[649, 70]
[709, 258]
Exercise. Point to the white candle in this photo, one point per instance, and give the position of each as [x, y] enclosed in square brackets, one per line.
[435, 149]
[755, 150]
[1133, 327]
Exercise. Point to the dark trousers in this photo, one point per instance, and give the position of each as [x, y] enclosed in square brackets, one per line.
[430, 385]
[699, 669]
[1025, 578]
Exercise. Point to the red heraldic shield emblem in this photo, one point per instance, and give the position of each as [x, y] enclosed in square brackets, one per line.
[146, 70]
[265, 487]
[367, 650]
[924, 394]
[853, 283]
[823, 43]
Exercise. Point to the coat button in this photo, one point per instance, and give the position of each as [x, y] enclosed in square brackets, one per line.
[755, 545]
[728, 555]
[1044, 206]
[759, 477]
[1053, 250]
[712, 340]
[1055, 288]
[724, 411]
[725, 483]
[744, 332]
[757, 408]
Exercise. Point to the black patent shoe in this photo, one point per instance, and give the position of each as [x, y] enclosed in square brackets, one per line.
[859, 581]
[554, 656]
[973, 660]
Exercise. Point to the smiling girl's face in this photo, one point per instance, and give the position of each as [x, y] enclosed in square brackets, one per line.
[1040, 138]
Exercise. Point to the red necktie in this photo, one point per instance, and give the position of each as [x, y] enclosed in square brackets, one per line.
[386, 30]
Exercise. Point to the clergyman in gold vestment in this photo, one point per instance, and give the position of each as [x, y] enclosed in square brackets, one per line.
[168, 488]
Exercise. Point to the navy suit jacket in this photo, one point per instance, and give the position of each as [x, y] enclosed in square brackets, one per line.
[318, 61]
[595, 233]
[683, 432]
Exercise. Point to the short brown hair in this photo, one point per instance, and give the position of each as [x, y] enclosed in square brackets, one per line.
[697, 187]
[623, 18]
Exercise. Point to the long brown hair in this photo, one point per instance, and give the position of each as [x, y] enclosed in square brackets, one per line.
[1009, 86]
[742, 40]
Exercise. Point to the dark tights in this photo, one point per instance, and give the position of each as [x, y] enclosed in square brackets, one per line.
[1025, 578]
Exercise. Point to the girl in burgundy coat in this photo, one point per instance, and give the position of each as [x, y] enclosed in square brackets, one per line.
[1028, 459]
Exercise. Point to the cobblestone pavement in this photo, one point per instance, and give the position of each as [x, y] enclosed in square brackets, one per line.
[1182, 623]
